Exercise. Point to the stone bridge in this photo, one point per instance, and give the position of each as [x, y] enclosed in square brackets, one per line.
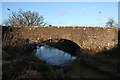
[88, 37]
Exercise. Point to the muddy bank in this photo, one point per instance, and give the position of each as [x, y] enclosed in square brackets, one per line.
[104, 61]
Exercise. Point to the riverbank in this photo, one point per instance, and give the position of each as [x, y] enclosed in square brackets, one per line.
[29, 66]
[106, 61]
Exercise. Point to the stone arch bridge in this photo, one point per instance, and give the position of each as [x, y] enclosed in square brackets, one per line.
[86, 37]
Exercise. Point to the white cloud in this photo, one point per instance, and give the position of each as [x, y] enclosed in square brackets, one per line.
[93, 7]
[61, 12]
[74, 10]
[84, 9]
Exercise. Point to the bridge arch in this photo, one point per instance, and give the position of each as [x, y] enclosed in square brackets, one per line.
[66, 45]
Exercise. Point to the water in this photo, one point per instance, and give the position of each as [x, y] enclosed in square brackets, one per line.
[58, 57]
[54, 56]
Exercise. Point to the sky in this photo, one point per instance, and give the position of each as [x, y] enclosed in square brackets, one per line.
[67, 13]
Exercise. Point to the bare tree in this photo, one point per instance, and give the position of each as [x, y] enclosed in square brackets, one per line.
[111, 22]
[26, 19]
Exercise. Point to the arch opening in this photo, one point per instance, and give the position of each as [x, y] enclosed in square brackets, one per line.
[63, 44]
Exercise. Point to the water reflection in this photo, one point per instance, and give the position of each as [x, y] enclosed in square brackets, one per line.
[77, 69]
[53, 55]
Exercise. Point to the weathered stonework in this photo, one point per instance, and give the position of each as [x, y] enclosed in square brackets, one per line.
[92, 38]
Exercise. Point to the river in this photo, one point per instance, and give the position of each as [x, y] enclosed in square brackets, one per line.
[57, 57]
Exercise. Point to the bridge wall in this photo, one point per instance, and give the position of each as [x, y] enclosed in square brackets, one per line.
[93, 38]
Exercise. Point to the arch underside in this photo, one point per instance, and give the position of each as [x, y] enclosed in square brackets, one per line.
[63, 44]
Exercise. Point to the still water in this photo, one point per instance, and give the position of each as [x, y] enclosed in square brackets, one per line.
[54, 56]
[57, 57]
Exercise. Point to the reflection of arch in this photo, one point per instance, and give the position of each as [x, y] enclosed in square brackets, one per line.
[64, 44]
